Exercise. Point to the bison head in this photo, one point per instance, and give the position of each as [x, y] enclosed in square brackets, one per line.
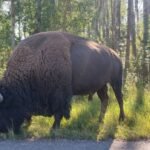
[12, 113]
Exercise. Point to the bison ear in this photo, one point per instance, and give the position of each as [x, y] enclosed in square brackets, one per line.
[1, 98]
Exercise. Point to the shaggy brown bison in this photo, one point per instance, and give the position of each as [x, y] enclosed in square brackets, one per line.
[47, 68]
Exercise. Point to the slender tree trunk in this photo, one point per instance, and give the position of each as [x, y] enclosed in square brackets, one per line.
[133, 35]
[100, 18]
[96, 20]
[12, 24]
[118, 22]
[104, 20]
[115, 10]
[38, 16]
[127, 56]
[19, 20]
[137, 10]
[107, 24]
[137, 19]
[146, 17]
[113, 24]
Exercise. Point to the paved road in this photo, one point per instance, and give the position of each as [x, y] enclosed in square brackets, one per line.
[73, 145]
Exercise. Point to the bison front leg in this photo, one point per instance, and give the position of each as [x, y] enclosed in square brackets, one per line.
[28, 121]
[58, 118]
[102, 94]
[90, 97]
[17, 125]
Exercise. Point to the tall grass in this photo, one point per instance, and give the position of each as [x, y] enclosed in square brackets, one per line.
[137, 122]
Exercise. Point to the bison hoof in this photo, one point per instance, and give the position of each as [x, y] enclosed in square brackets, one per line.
[17, 131]
[56, 126]
[121, 118]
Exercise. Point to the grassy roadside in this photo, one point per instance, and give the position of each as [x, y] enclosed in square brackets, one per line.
[83, 123]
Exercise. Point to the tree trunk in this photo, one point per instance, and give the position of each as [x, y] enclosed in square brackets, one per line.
[12, 24]
[107, 24]
[117, 22]
[127, 56]
[133, 35]
[19, 20]
[115, 10]
[113, 24]
[137, 10]
[38, 16]
[146, 13]
[146, 17]
[96, 19]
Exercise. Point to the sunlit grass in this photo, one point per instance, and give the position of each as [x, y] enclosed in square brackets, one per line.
[137, 122]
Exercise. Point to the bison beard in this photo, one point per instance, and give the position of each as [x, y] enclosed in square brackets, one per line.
[47, 68]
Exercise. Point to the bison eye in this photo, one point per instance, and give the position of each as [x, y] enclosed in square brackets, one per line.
[1, 98]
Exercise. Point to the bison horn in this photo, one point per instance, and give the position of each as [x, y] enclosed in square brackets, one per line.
[1, 98]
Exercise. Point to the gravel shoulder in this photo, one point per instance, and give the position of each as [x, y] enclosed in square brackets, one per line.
[44, 144]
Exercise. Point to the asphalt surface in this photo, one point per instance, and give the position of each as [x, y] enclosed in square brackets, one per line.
[73, 145]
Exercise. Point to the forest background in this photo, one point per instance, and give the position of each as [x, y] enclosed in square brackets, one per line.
[123, 25]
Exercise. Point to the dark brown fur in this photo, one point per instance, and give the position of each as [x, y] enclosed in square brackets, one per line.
[46, 69]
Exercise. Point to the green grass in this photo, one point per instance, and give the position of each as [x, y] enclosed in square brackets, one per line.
[84, 124]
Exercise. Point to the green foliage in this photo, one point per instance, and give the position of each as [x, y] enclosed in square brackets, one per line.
[137, 111]
[5, 41]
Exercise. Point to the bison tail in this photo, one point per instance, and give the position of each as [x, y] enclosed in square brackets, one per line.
[116, 82]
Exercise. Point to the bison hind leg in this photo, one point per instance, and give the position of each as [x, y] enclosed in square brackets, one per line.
[117, 86]
[102, 94]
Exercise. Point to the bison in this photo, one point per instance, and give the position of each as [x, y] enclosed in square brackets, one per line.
[46, 69]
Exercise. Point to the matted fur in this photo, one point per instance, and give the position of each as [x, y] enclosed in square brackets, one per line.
[38, 76]
[46, 69]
